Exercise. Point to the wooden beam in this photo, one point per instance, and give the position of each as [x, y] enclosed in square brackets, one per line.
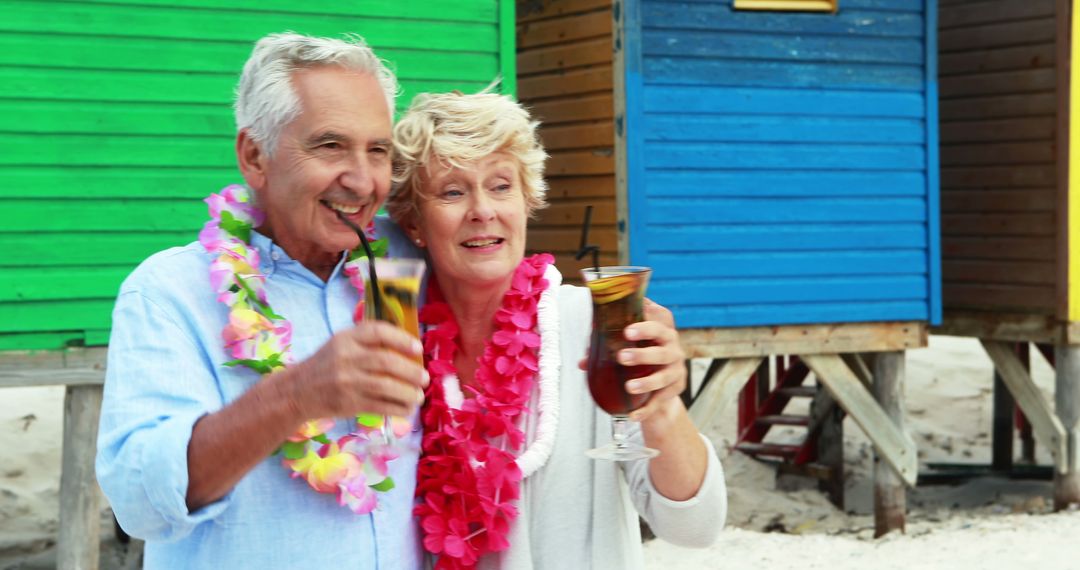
[72, 367]
[79, 541]
[890, 498]
[1048, 428]
[859, 366]
[802, 339]
[1067, 408]
[889, 440]
[722, 389]
[1011, 327]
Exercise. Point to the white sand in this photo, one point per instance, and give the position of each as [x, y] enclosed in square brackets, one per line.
[986, 523]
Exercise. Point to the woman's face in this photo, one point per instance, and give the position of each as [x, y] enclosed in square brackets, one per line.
[472, 220]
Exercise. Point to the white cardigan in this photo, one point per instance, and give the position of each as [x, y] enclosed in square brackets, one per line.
[580, 513]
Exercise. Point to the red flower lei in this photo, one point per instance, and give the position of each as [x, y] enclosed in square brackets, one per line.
[468, 480]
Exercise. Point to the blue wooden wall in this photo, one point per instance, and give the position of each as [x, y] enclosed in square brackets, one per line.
[780, 165]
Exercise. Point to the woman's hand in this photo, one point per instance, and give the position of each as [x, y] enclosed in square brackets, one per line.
[666, 352]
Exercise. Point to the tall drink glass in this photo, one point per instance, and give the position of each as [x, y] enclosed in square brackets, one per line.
[399, 292]
[618, 294]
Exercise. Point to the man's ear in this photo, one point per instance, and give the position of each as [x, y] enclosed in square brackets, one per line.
[251, 160]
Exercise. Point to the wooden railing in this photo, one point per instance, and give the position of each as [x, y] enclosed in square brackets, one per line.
[82, 373]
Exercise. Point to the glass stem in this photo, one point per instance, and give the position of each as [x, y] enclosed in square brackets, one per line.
[618, 432]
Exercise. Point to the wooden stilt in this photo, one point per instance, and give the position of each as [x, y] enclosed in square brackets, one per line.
[80, 517]
[1002, 434]
[828, 418]
[890, 497]
[1067, 408]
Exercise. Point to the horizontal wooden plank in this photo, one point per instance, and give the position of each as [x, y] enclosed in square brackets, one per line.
[1012, 33]
[86, 248]
[1024, 298]
[764, 237]
[576, 82]
[536, 10]
[67, 359]
[532, 34]
[779, 156]
[759, 45]
[582, 135]
[701, 99]
[821, 339]
[999, 272]
[559, 58]
[572, 213]
[737, 73]
[1001, 59]
[995, 154]
[784, 129]
[1012, 224]
[998, 83]
[993, 247]
[51, 316]
[599, 186]
[542, 238]
[687, 293]
[114, 182]
[1002, 325]
[189, 88]
[51, 341]
[581, 162]
[102, 215]
[461, 44]
[992, 11]
[989, 201]
[52, 283]
[786, 264]
[794, 183]
[798, 313]
[113, 118]
[998, 130]
[791, 210]
[572, 109]
[117, 150]
[446, 9]
[1000, 107]
[1018, 176]
[720, 17]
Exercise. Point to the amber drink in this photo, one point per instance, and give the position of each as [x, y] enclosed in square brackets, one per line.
[618, 295]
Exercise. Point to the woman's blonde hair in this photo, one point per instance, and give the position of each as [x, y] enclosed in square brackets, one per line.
[457, 129]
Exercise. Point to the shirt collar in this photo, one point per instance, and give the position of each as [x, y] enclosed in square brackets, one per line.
[273, 258]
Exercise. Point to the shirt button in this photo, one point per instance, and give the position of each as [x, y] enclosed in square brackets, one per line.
[275, 255]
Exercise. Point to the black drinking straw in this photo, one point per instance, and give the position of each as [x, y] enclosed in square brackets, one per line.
[376, 296]
[587, 247]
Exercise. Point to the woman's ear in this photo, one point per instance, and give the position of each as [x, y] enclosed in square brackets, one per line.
[413, 231]
[251, 160]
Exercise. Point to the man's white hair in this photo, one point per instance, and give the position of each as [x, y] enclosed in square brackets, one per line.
[265, 98]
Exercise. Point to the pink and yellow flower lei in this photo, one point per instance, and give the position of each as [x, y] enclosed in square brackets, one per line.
[468, 480]
[354, 467]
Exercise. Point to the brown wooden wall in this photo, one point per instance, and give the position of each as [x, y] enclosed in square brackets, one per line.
[998, 155]
[565, 76]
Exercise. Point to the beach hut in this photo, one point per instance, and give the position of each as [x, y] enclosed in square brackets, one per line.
[775, 163]
[1009, 258]
[116, 120]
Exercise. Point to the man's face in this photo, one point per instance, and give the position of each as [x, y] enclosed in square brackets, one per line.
[333, 157]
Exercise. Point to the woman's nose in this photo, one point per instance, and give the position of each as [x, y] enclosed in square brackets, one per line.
[482, 208]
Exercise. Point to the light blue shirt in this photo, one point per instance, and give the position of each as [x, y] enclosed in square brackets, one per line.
[165, 372]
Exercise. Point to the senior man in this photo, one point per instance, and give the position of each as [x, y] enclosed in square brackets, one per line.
[190, 421]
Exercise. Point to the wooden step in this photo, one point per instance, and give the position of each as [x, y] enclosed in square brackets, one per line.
[770, 449]
[784, 420]
[799, 391]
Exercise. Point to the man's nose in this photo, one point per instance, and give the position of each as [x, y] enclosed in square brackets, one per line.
[359, 175]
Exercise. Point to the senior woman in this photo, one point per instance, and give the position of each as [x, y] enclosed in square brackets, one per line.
[504, 481]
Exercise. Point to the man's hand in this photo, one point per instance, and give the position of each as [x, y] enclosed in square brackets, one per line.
[373, 368]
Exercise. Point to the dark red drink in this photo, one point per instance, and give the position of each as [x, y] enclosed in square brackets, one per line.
[618, 294]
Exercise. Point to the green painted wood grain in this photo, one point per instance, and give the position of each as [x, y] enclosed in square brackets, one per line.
[115, 121]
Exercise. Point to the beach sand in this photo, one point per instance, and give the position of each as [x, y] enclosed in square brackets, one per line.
[986, 523]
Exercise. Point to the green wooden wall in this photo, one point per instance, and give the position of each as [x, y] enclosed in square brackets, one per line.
[115, 122]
